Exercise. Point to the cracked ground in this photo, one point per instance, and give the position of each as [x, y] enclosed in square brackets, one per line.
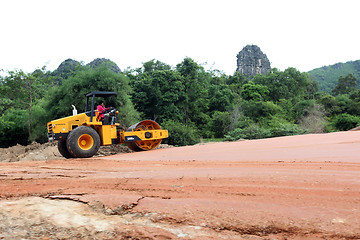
[299, 187]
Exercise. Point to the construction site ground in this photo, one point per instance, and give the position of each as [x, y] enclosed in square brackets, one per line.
[297, 187]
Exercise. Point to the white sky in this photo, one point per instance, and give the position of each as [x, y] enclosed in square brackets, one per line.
[304, 34]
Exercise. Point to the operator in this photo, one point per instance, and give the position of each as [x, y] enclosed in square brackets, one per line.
[102, 112]
[101, 109]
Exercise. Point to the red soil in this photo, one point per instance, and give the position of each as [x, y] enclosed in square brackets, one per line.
[299, 187]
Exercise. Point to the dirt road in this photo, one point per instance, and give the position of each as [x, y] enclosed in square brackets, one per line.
[299, 187]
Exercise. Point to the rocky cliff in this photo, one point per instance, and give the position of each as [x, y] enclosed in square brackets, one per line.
[67, 67]
[251, 61]
[65, 70]
[70, 67]
[103, 61]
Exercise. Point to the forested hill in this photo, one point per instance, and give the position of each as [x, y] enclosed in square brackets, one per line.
[328, 76]
[189, 101]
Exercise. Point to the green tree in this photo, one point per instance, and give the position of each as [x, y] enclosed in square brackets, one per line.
[13, 127]
[220, 97]
[220, 123]
[159, 94]
[148, 67]
[302, 108]
[153, 65]
[254, 92]
[5, 103]
[73, 91]
[354, 107]
[257, 110]
[39, 120]
[22, 91]
[345, 85]
[290, 84]
[329, 103]
[344, 122]
[343, 103]
[196, 84]
[236, 82]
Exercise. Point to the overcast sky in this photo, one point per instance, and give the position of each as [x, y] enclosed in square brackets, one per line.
[303, 34]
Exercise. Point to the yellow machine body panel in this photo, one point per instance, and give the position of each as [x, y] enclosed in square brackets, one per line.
[143, 135]
[59, 129]
[108, 134]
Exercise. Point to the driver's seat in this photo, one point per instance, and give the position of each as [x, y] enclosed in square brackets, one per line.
[97, 114]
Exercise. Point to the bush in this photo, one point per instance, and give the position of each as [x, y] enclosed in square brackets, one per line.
[302, 108]
[220, 122]
[345, 121]
[271, 128]
[253, 131]
[314, 121]
[38, 123]
[13, 128]
[256, 110]
[180, 134]
[286, 129]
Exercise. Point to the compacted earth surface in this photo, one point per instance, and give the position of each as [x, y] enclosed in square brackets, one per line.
[298, 187]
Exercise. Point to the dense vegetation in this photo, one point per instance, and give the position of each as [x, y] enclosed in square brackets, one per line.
[185, 99]
[328, 76]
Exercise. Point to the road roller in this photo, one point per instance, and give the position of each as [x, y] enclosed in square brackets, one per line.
[81, 135]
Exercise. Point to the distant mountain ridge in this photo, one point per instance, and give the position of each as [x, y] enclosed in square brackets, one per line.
[328, 76]
[69, 67]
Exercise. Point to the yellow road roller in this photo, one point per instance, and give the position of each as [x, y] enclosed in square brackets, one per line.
[81, 135]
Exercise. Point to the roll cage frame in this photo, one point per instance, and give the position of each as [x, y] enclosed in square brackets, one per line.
[92, 95]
